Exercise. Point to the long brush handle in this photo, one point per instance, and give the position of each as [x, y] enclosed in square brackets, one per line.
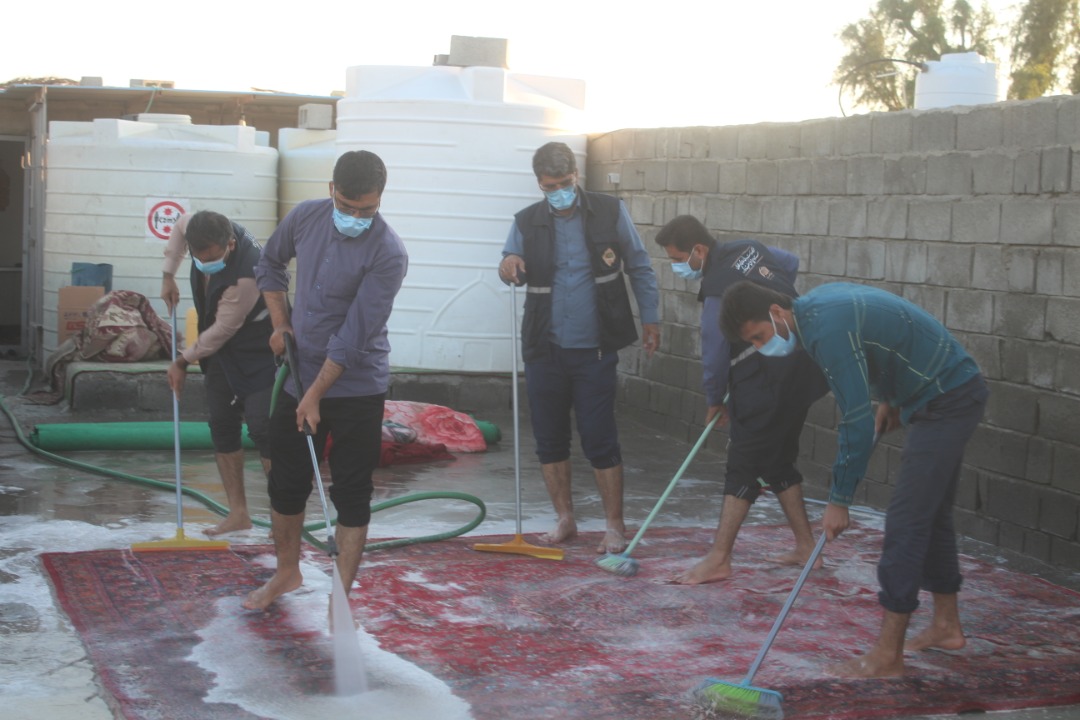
[671, 485]
[784, 611]
[514, 399]
[176, 440]
[294, 370]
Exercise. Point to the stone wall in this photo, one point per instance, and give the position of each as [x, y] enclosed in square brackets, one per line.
[973, 213]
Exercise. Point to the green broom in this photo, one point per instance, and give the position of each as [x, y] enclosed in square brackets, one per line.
[743, 698]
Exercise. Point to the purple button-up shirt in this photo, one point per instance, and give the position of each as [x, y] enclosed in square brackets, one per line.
[345, 289]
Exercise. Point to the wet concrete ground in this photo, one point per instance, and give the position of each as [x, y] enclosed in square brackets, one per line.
[49, 507]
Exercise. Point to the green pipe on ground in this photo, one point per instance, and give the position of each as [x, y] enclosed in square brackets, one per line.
[124, 436]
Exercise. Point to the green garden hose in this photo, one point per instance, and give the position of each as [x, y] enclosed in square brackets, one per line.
[220, 509]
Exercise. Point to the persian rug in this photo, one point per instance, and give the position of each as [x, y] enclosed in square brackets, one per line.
[521, 637]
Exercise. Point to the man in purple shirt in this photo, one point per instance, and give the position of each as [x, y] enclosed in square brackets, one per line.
[349, 267]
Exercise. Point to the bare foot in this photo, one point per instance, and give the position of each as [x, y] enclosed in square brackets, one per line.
[612, 542]
[275, 587]
[705, 571]
[232, 523]
[565, 529]
[937, 638]
[868, 666]
[796, 558]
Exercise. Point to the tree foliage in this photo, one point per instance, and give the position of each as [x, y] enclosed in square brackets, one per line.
[907, 32]
[1045, 40]
[1044, 50]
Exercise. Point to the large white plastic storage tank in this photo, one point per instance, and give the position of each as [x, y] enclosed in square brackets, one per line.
[115, 186]
[305, 166]
[458, 145]
[957, 79]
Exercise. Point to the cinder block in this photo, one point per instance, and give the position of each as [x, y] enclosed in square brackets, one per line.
[969, 310]
[1020, 315]
[865, 175]
[847, 218]
[988, 268]
[996, 450]
[720, 214]
[693, 142]
[753, 142]
[704, 176]
[866, 259]
[812, 216]
[1066, 378]
[1066, 462]
[678, 176]
[778, 215]
[1030, 124]
[762, 177]
[1013, 407]
[949, 174]
[986, 352]
[747, 214]
[1059, 417]
[645, 142]
[979, 128]
[1054, 171]
[1068, 120]
[931, 299]
[828, 256]
[723, 142]
[949, 265]
[622, 145]
[887, 218]
[1065, 553]
[976, 221]
[731, 177]
[828, 176]
[656, 173]
[976, 527]
[1049, 271]
[929, 220]
[890, 132]
[933, 131]
[1063, 321]
[1040, 461]
[853, 135]
[783, 141]
[1059, 514]
[817, 137]
[641, 208]
[1027, 221]
[794, 176]
[1011, 537]
[1037, 545]
[992, 173]
[905, 175]
[1067, 223]
[1026, 172]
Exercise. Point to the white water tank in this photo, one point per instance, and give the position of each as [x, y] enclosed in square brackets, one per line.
[305, 166]
[957, 79]
[115, 186]
[458, 145]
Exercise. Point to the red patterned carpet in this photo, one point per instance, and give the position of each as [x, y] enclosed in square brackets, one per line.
[518, 637]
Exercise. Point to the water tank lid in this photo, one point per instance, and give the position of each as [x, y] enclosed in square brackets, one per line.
[164, 118]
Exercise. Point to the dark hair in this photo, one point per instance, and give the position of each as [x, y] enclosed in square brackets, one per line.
[745, 302]
[684, 233]
[555, 159]
[207, 229]
[359, 172]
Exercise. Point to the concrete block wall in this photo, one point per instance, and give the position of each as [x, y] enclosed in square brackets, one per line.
[971, 212]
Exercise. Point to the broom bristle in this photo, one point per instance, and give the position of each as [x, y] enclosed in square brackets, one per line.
[744, 700]
[619, 564]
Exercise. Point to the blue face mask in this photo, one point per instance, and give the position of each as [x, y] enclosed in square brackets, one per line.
[349, 225]
[683, 270]
[777, 345]
[561, 199]
[214, 266]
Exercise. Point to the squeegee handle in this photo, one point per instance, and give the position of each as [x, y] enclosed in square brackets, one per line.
[294, 370]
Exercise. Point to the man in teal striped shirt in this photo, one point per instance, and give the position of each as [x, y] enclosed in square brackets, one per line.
[875, 346]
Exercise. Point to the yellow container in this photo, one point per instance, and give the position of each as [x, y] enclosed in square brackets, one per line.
[191, 329]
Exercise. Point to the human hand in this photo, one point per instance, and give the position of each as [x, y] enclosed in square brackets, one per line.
[170, 293]
[715, 410]
[834, 521]
[307, 413]
[277, 342]
[177, 374]
[650, 337]
[887, 419]
[512, 270]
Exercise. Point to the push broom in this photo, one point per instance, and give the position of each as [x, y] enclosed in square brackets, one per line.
[743, 698]
[179, 542]
[622, 563]
[517, 545]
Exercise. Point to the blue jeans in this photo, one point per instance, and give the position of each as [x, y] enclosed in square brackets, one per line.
[582, 380]
[920, 542]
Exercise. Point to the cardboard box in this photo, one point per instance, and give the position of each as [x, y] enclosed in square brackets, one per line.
[72, 307]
